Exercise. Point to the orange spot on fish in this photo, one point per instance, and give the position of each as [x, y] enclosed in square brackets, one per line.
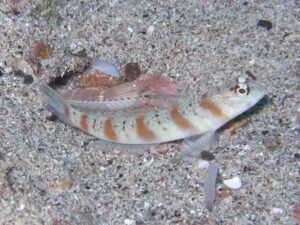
[84, 123]
[213, 108]
[142, 129]
[109, 130]
[178, 118]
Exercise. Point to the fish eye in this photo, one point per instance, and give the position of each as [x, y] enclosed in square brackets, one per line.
[242, 87]
[241, 90]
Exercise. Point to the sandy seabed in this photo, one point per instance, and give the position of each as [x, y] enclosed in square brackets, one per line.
[53, 174]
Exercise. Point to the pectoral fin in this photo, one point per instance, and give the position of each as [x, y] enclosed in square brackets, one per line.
[193, 146]
[210, 186]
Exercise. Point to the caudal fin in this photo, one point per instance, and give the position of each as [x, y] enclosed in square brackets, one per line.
[56, 103]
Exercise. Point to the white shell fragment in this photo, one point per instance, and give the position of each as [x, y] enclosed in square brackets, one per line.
[203, 164]
[233, 183]
[105, 67]
[276, 211]
[150, 29]
[129, 222]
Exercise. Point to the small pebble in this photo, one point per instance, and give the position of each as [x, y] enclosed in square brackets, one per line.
[102, 168]
[130, 29]
[21, 206]
[203, 164]
[24, 66]
[206, 155]
[150, 29]
[251, 62]
[297, 155]
[253, 217]
[247, 148]
[132, 71]
[1, 156]
[129, 222]
[42, 51]
[276, 211]
[28, 79]
[146, 205]
[233, 183]
[52, 117]
[265, 24]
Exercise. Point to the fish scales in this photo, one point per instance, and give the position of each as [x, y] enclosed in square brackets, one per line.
[152, 127]
[184, 119]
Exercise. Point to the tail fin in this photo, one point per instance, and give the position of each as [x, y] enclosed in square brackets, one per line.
[56, 103]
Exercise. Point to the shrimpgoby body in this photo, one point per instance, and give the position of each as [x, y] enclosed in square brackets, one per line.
[188, 117]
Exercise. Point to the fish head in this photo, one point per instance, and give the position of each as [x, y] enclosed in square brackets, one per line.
[238, 97]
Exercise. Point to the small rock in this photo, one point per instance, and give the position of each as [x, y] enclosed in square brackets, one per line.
[276, 211]
[297, 156]
[265, 24]
[251, 62]
[81, 53]
[52, 117]
[23, 66]
[206, 155]
[129, 222]
[148, 163]
[1, 156]
[130, 29]
[247, 147]
[21, 207]
[28, 79]
[146, 205]
[203, 164]
[42, 51]
[233, 183]
[102, 168]
[132, 71]
[150, 29]
[253, 217]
